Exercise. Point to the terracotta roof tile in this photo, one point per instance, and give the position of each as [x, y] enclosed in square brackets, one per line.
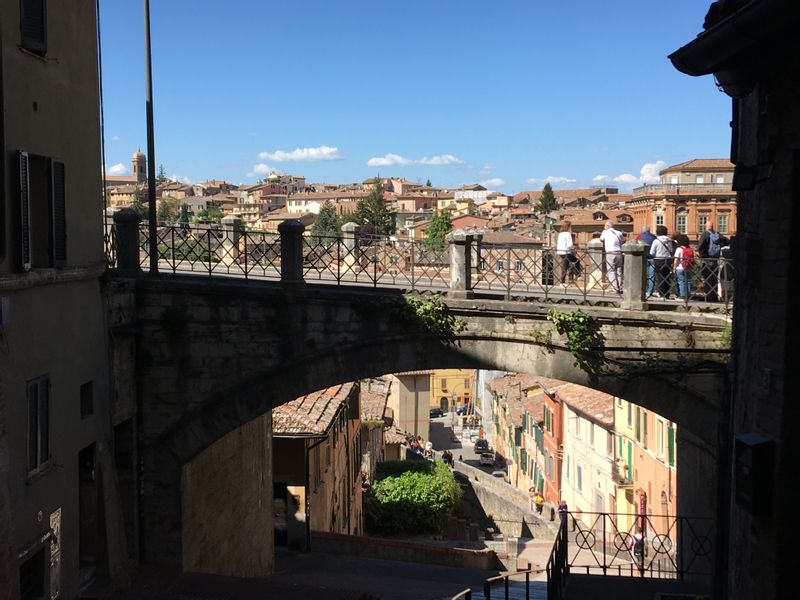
[310, 414]
[701, 164]
[593, 404]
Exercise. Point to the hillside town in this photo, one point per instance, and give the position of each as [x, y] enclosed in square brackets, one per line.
[688, 196]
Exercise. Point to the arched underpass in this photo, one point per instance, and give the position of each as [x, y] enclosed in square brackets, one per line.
[212, 356]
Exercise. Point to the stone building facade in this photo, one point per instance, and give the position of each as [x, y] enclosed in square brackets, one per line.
[60, 511]
[751, 48]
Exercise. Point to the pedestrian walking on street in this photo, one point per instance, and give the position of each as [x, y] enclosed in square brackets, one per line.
[538, 501]
[563, 511]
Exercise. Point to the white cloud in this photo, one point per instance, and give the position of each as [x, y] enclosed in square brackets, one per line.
[551, 179]
[444, 159]
[260, 169]
[486, 169]
[304, 154]
[115, 138]
[647, 174]
[388, 160]
[493, 182]
[181, 178]
[392, 160]
[626, 179]
[649, 171]
[117, 169]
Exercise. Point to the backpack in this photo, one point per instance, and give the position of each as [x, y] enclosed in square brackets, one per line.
[688, 257]
[714, 247]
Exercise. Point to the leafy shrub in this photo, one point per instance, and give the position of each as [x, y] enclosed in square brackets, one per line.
[414, 499]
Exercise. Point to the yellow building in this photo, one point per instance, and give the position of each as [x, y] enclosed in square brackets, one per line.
[451, 388]
[646, 462]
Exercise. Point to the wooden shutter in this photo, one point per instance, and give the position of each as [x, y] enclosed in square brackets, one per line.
[671, 445]
[33, 25]
[25, 258]
[59, 213]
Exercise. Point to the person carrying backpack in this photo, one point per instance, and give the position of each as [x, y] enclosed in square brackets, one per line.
[709, 248]
[683, 264]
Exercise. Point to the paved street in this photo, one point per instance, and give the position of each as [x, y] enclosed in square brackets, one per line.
[299, 576]
[442, 437]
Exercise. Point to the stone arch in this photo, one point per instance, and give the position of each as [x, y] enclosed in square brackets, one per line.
[690, 406]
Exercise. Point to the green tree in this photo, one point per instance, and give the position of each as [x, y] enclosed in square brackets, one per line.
[372, 214]
[167, 212]
[138, 202]
[184, 216]
[326, 225]
[547, 201]
[439, 226]
[211, 214]
[162, 174]
[428, 183]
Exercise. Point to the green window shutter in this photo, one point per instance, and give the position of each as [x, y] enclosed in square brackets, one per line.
[59, 215]
[638, 424]
[671, 443]
[24, 213]
[524, 461]
[33, 25]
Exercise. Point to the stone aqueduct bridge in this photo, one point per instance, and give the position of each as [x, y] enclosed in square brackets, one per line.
[213, 354]
[196, 358]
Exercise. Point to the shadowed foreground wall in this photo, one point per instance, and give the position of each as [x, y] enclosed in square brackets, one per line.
[227, 504]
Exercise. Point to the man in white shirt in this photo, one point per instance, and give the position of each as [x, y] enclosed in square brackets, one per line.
[612, 244]
[565, 249]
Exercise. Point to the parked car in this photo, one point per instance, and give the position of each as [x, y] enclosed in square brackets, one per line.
[436, 412]
[487, 459]
[481, 445]
[462, 410]
[499, 474]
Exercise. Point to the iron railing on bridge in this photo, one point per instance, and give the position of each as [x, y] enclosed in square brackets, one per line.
[533, 272]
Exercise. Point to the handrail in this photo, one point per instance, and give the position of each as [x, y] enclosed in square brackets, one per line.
[505, 579]
[534, 272]
[557, 567]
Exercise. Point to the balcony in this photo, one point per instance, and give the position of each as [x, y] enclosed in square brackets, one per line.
[621, 474]
[681, 189]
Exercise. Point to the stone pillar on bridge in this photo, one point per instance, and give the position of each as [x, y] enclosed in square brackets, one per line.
[126, 241]
[350, 240]
[594, 252]
[232, 230]
[460, 264]
[291, 232]
[634, 286]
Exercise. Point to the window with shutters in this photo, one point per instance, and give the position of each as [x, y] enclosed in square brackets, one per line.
[42, 212]
[38, 392]
[33, 26]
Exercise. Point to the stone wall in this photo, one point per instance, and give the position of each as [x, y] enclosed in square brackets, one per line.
[761, 561]
[387, 549]
[9, 575]
[213, 354]
[227, 504]
[507, 506]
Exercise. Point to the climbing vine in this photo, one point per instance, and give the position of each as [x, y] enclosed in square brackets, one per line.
[584, 340]
[434, 315]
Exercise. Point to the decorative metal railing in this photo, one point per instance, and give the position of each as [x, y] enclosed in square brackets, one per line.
[534, 272]
[649, 546]
[541, 271]
[557, 567]
[376, 261]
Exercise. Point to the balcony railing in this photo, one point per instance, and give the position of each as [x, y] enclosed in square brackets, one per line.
[681, 188]
[464, 266]
[647, 546]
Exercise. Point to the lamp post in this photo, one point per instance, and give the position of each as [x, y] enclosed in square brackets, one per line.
[151, 152]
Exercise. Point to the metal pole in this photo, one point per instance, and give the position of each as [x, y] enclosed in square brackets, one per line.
[151, 152]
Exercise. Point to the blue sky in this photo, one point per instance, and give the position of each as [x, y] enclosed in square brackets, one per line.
[455, 91]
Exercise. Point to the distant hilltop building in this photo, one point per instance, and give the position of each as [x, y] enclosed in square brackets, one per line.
[138, 168]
